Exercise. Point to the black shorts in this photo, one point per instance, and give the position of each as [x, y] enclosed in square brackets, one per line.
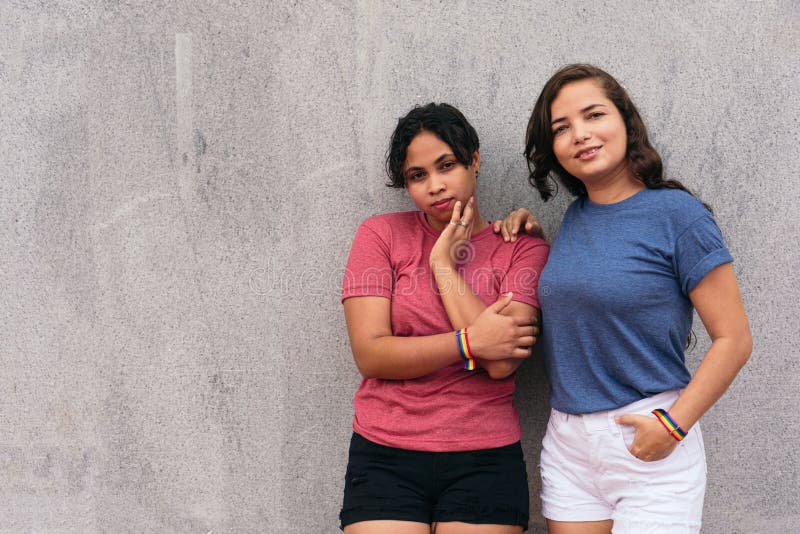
[488, 486]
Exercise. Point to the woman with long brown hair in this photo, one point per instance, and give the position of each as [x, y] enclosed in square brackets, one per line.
[635, 255]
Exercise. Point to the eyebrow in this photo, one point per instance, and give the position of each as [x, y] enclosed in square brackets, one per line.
[584, 110]
[439, 159]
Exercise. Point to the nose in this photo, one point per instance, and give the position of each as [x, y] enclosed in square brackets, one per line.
[580, 133]
[436, 184]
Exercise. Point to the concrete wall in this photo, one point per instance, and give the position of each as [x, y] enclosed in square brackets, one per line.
[179, 186]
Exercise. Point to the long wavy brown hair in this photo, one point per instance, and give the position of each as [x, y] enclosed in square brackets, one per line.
[643, 159]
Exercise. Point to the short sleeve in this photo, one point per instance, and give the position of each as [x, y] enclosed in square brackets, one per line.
[369, 268]
[699, 249]
[522, 277]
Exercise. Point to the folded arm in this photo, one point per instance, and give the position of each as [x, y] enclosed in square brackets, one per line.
[380, 354]
[463, 306]
[461, 303]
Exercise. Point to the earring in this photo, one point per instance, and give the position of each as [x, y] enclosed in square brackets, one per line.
[476, 174]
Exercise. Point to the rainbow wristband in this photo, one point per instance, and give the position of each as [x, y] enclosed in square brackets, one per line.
[672, 427]
[463, 349]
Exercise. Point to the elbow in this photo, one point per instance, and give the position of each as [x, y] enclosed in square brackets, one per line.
[364, 368]
[501, 370]
[746, 347]
[500, 376]
[739, 347]
[369, 365]
[367, 373]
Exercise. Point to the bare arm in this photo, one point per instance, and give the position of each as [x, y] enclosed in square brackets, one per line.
[463, 306]
[720, 307]
[379, 354]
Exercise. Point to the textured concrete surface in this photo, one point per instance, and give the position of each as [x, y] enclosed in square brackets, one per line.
[180, 183]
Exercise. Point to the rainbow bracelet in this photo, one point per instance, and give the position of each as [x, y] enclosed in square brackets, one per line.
[463, 349]
[672, 427]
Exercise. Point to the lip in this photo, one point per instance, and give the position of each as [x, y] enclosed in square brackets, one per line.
[442, 204]
[587, 153]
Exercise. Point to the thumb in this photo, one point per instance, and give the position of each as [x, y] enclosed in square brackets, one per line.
[501, 303]
[629, 419]
[496, 226]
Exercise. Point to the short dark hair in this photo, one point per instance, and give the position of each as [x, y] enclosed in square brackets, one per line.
[644, 161]
[444, 121]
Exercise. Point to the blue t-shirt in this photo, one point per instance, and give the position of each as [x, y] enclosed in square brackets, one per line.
[614, 294]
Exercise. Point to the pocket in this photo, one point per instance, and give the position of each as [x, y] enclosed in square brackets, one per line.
[627, 434]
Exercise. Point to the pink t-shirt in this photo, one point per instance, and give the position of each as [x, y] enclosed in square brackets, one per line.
[451, 409]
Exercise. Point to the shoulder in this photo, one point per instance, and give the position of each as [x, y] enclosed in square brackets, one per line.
[676, 200]
[385, 223]
[526, 242]
[576, 205]
[679, 206]
[525, 250]
[531, 251]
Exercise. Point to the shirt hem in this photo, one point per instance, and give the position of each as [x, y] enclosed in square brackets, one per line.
[441, 446]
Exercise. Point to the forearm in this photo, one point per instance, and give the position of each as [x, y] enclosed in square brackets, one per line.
[463, 306]
[719, 367]
[402, 358]
[461, 303]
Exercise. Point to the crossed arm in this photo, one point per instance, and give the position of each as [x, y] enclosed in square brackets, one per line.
[500, 335]
[460, 301]
[379, 354]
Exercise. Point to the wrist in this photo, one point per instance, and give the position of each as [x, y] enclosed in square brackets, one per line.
[680, 417]
[669, 424]
[464, 349]
[441, 265]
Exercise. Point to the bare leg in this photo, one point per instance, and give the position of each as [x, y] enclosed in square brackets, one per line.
[454, 527]
[387, 527]
[579, 527]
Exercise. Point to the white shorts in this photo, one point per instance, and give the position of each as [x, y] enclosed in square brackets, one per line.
[588, 473]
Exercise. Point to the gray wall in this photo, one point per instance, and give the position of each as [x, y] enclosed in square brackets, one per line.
[179, 187]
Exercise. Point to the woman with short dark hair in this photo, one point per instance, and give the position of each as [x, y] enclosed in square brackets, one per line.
[439, 312]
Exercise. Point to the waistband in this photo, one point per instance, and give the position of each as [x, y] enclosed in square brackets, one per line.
[604, 420]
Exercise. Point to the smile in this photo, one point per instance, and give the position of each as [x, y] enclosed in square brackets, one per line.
[587, 153]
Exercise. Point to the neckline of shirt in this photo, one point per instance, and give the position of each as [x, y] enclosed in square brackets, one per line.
[633, 200]
[430, 230]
